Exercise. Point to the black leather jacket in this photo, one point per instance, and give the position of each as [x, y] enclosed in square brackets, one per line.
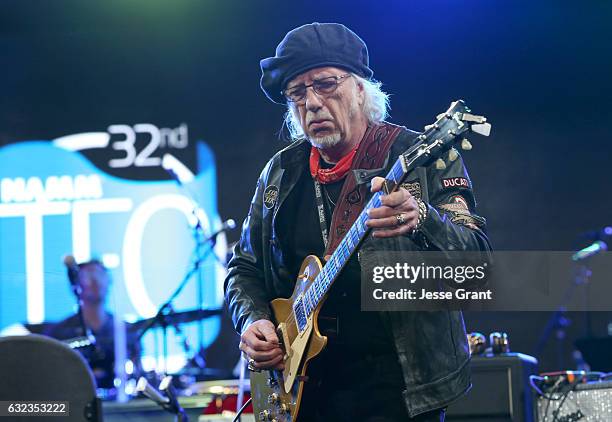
[432, 346]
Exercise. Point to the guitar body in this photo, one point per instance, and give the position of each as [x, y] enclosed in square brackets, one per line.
[276, 394]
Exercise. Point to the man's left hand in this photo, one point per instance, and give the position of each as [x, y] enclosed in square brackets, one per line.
[398, 214]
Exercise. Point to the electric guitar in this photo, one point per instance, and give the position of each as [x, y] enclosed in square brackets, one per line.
[276, 394]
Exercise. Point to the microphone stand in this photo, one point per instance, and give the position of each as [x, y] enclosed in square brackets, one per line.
[559, 321]
[198, 233]
[160, 316]
[87, 334]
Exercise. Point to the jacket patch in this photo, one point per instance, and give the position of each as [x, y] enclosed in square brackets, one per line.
[414, 188]
[460, 201]
[456, 182]
[460, 213]
[270, 196]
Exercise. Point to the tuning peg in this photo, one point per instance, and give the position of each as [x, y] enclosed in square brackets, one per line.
[440, 164]
[482, 129]
[453, 154]
[465, 145]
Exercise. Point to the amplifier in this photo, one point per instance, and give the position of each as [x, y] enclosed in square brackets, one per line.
[500, 390]
[590, 402]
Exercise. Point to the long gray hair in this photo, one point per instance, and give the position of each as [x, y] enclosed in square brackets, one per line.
[375, 107]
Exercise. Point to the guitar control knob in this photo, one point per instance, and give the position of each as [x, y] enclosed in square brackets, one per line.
[273, 398]
[284, 409]
[265, 415]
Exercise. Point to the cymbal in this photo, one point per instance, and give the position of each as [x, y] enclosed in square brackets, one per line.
[174, 318]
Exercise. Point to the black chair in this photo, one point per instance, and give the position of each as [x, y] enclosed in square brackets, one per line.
[39, 368]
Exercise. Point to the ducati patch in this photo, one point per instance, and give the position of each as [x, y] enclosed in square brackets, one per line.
[270, 196]
[414, 188]
[455, 182]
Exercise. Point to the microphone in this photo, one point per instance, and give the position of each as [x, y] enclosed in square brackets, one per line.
[73, 275]
[72, 269]
[227, 225]
[591, 250]
[165, 386]
[151, 392]
[168, 402]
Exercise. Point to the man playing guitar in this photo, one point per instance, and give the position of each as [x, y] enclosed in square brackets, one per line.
[376, 366]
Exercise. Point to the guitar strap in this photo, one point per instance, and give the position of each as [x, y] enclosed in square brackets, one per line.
[321, 211]
[371, 154]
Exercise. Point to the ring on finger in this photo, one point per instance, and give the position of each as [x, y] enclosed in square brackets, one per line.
[251, 366]
[401, 219]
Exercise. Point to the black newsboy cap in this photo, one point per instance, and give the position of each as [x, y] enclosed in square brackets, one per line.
[310, 46]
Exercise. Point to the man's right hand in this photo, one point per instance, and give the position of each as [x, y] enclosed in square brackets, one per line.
[260, 343]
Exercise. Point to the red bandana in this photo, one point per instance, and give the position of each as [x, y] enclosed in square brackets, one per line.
[333, 174]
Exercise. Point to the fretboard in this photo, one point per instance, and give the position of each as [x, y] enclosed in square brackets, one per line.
[349, 244]
[437, 138]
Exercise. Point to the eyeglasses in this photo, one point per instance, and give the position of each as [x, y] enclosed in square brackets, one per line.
[324, 86]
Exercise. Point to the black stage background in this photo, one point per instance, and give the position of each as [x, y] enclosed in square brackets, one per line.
[540, 71]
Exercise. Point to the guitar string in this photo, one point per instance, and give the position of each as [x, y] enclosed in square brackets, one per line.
[397, 168]
[291, 321]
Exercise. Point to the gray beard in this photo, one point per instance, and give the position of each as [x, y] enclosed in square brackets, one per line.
[326, 141]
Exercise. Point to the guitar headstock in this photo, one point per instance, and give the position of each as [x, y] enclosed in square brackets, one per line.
[448, 130]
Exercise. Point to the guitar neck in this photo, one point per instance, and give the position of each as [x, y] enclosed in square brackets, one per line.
[429, 146]
[351, 241]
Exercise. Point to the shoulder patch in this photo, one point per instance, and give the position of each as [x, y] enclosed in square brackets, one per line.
[460, 213]
[460, 201]
[270, 196]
